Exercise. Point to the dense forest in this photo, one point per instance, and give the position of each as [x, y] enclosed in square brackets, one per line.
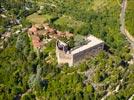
[26, 75]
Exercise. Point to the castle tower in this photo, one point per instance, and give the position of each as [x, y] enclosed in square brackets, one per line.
[78, 54]
[62, 53]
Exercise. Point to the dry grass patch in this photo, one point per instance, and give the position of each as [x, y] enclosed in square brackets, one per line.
[38, 19]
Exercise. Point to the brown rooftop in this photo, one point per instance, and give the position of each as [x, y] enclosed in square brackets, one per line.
[36, 42]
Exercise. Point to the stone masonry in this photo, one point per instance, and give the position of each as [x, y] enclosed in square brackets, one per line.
[76, 55]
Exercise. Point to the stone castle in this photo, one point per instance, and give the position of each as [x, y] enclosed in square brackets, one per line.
[77, 54]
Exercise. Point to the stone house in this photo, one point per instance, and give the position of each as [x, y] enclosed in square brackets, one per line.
[33, 34]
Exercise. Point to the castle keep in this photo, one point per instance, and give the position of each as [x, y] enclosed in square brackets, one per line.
[77, 54]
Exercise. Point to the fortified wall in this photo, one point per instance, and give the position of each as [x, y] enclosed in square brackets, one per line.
[88, 53]
[62, 53]
[74, 56]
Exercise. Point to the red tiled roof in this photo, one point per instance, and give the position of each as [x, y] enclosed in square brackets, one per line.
[36, 41]
[53, 33]
[33, 29]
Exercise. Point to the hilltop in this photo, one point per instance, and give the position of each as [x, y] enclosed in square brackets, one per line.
[34, 74]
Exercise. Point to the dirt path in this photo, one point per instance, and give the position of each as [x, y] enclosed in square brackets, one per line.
[29, 90]
[131, 98]
[111, 92]
[114, 91]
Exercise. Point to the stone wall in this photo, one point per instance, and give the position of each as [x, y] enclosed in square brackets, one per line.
[87, 53]
[64, 57]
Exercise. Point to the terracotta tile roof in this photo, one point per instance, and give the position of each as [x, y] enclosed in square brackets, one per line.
[50, 30]
[33, 29]
[36, 42]
[45, 29]
[69, 34]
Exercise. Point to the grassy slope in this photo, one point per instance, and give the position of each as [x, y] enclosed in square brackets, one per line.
[130, 17]
[69, 22]
[38, 19]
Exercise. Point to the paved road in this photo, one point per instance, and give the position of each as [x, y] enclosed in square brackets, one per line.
[123, 29]
[122, 22]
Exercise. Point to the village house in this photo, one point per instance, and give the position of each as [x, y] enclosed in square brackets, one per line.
[77, 54]
[33, 34]
[64, 54]
[45, 30]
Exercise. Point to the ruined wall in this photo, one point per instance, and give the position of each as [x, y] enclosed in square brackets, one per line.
[64, 57]
[90, 52]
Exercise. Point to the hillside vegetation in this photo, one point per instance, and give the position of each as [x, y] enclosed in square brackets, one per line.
[27, 76]
[130, 17]
[102, 21]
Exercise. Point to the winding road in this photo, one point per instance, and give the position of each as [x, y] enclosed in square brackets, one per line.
[130, 39]
[122, 22]
[123, 29]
